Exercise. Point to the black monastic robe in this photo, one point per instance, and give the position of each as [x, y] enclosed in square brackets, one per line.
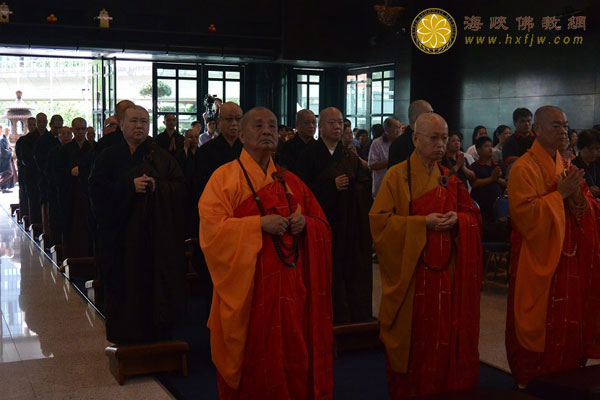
[73, 200]
[290, 152]
[141, 241]
[348, 214]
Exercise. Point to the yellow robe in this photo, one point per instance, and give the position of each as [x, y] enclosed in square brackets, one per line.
[539, 216]
[399, 241]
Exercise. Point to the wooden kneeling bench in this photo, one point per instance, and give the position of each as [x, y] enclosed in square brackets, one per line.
[355, 336]
[25, 220]
[35, 230]
[43, 238]
[13, 208]
[94, 290]
[143, 359]
[580, 383]
[56, 254]
[79, 267]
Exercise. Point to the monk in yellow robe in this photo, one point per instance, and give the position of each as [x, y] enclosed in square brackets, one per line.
[267, 245]
[553, 323]
[427, 234]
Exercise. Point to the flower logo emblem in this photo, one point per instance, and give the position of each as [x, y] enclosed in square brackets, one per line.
[433, 31]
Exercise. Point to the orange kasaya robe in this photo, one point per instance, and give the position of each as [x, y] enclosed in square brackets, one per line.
[271, 324]
[553, 323]
[429, 319]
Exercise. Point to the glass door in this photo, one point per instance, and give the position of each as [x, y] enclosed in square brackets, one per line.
[176, 89]
[104, 91]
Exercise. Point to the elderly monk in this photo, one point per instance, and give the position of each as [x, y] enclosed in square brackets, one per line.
[342, 185]
[427, 235]
[268, 247]
[137, 191]
[553, 322]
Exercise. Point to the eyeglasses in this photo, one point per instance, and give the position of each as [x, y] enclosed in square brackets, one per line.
[111, 124]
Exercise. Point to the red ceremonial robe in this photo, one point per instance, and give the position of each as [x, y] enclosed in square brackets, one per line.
[289, 339]
[432, 348]
[568, 286]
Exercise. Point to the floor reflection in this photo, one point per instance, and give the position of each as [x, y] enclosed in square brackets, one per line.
[15, 328]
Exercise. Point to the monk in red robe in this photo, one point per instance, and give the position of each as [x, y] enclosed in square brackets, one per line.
[427, 235]
[268, 248]
[553, 323]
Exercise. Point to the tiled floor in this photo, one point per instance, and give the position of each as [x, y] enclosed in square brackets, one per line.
[52, 343]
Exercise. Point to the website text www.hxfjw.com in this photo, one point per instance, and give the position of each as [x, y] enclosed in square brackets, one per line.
[526, 40]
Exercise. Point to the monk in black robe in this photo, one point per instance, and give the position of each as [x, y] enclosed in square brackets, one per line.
[55, 211]
[402, 147]
[72, 193]
[224, 148]
[170, 139]
[21, 147]
[137, 190]
[343, 187]
[45, 143]
[306, 124]
[111, 134]
[27, 149]
[188, 161]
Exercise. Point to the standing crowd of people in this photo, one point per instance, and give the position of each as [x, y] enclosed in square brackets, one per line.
[289, 244]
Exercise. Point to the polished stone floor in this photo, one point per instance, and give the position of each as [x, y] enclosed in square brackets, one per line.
[52, 342]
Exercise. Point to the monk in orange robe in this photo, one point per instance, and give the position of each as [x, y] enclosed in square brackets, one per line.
[553, 323]
[427, 234]
[268, 248]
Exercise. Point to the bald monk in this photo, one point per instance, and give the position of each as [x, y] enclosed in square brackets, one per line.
[427, 235]
[402, 147]
[268, 247]
[553, 322]
[342, 185]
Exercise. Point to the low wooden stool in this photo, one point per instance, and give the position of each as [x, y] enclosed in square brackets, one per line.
[56, 254]
[144, 359]
[79, 267]
[26, 222]
[94, 290]
[44, 238]
[355, 336]
[13, 208]
[35, 230]
[580, 383]
[18, 214]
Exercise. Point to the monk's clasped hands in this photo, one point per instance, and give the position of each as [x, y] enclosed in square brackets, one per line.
[570, 181]
[144, 184]
[441, 222]
[275, 224]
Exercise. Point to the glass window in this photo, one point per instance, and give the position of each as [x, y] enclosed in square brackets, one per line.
[188, 92]
[215, 74]
[166, 72]
[308, 87]
[232, 75]
[187, 73]
[232, 91]
[370, 97]
[215, 88]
